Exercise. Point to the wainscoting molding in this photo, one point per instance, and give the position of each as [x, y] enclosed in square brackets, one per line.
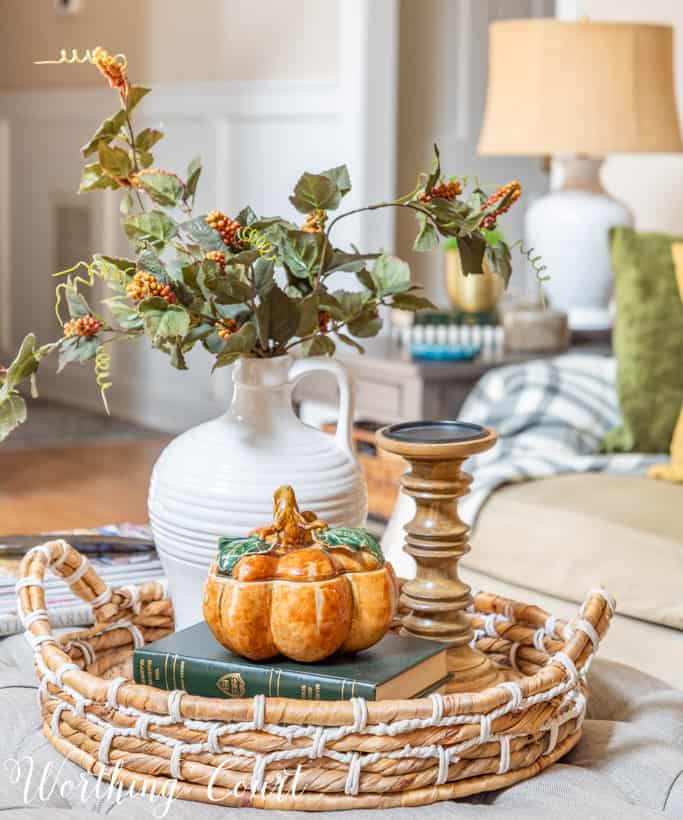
[254, 139]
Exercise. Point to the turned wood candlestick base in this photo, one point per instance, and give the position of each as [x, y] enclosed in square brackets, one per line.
[437, 539]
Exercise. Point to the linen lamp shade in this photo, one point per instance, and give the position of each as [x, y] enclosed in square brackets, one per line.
[583, 88]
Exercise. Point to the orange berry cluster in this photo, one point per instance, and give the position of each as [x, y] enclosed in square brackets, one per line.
[112, 68]
[83, 326]
[228, 228]
[444, 190]
[145, 285]
[511, 192]
[226, 328]
[324, 319]
[216, 256]
[315, 222]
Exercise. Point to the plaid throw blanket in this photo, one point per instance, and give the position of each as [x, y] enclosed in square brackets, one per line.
[551, 415]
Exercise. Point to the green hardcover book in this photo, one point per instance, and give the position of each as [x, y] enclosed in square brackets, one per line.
[193, 660]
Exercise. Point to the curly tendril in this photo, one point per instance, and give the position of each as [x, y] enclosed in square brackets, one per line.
[88, 56]
[103, 373]
[256, 240]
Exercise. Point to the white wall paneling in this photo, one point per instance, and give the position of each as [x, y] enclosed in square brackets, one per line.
[5, 206]
[254, 138]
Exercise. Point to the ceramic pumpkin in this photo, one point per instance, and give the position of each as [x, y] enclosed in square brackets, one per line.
[299, 588]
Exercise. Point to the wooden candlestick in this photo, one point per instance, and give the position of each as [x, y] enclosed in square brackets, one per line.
[437, 539]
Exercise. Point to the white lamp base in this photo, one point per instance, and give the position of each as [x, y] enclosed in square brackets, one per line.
[569, 229]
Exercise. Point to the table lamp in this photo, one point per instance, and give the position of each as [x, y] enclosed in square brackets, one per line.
[579, 91]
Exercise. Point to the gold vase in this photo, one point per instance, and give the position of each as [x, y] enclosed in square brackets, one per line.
[475, 293]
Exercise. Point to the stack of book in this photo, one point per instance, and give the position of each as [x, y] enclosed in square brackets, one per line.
[194, 661]
[436, 334]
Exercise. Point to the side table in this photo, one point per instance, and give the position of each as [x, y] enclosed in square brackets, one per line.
[391, 387]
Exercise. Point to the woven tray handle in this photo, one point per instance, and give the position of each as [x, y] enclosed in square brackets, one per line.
[74, 568]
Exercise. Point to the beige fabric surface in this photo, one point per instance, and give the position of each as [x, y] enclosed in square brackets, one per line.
[628, 765]
[562, 535]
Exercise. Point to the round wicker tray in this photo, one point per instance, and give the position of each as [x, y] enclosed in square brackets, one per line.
[346, 754]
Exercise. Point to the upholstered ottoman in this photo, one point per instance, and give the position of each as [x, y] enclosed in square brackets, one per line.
[629, 763]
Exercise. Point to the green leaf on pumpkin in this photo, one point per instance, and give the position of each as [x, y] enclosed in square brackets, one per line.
[353, 538]
[230, 550]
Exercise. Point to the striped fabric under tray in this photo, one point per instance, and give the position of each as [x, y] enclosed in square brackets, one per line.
[116, 570]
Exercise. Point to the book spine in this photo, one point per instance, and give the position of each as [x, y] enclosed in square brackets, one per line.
[234, 680]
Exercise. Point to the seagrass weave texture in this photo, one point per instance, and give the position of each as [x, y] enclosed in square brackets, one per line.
[347, 754]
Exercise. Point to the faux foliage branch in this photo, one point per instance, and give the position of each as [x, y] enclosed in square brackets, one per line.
[242, 286]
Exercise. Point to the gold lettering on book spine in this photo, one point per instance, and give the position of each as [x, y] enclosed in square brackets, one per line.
[232, 685]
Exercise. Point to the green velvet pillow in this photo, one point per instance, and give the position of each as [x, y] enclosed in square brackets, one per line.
[648, 341]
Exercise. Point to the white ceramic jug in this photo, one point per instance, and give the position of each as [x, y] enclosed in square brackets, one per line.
[218, 478]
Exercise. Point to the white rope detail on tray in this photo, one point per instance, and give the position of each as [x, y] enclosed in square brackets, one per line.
[78, 573]
[113, 692]
[101, 599]
[56, 563]
[32, 617]
[589, 629]
[320, 737]
[504, 754]
[354, 760]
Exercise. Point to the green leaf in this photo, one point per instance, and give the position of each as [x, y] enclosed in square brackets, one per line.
[135, 94]
[76, 302]
[163, 188]
[368, 324]
[203, 235]
[410, 301]
[428, 237]
[12, 414]
[147, 139]
[435, 173]
[264, 272]
[23, 366]
[498, 258]
[347, 340]
[246, 217]
[240, 342]
[340, 176]
[277, 316]
[149, 261]
[354, 262]
[93, 178]
[345, 305]
[225, 287]
[308, 315]
[314, 191]
[472, 253]
[300, 253]
[194, 170]
[77, 349]
[154, 226]
[365, 278]
[164, 322]
[145, 158]
[126, 316]
[114, 161]
[230, 550]
[318, 346]
[108, 131]
[391, 275]
[353, 538]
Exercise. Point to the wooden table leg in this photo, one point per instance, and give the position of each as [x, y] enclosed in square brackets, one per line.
[437, 538]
